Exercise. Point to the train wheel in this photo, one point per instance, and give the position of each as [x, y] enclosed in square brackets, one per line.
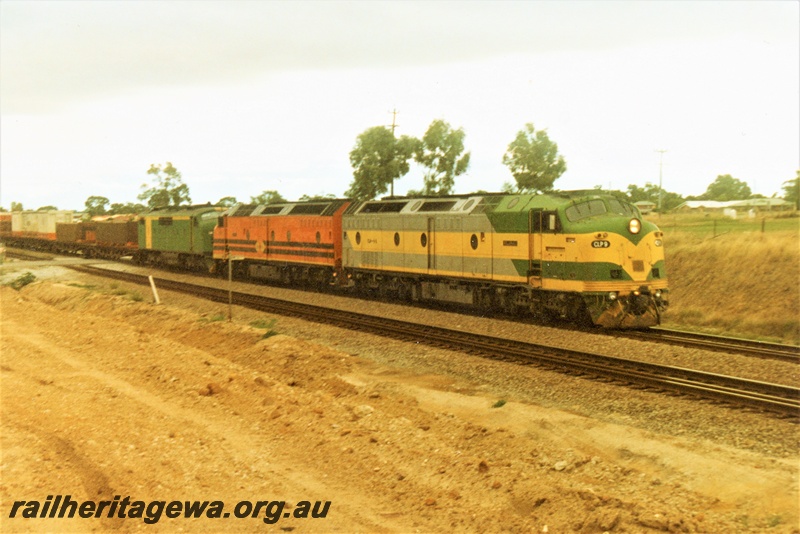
[404, 291]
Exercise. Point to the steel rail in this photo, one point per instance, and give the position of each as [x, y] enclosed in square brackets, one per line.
[748, 347]
[775, 398]
[760, 349]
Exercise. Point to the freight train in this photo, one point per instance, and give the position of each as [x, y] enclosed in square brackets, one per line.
[579, 255]
[56, 231]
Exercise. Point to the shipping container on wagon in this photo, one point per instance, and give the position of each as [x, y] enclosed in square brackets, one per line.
[5, 225]
[80, 232]
[38, 224]
[117, 233]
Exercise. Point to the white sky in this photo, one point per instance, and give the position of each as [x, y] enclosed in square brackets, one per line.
[248, 96]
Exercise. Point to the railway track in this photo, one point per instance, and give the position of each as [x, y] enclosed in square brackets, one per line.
[748, 347]
[774, 398]
[758, 349]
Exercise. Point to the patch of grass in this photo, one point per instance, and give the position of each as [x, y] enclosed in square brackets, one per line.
[711, 224]
[744, 520]
[742, 283]
[217, 317]
[88, 287]
[263, 324]
[774, 521]
[269, 326]
[499, 404]
[22, 280]
[113, 289]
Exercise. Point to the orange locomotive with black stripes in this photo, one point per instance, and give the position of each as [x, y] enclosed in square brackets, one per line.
[293, 242]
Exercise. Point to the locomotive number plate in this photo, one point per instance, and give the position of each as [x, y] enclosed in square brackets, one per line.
[600, 244]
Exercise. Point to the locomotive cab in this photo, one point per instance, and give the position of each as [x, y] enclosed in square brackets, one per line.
[619, 260]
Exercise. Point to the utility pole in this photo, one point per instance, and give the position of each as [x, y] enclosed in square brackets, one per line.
[394, 125]
[660, 178]
[394, 117]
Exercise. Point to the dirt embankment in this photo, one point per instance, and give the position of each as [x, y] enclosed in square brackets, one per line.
[103, 396]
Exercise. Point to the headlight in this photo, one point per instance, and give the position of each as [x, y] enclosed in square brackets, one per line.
[635, 226]
[612, 296]
[659, 242]
[658, 293]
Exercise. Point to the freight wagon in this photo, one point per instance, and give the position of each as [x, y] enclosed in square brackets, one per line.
[38, 224]
[36, 230]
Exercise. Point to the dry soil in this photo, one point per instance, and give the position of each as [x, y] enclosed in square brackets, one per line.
[104, 395]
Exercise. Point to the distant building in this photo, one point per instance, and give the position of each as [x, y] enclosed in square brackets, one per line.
[757, 204]
[645, 206]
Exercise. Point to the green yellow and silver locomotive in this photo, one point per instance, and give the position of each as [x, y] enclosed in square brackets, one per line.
[576, 255]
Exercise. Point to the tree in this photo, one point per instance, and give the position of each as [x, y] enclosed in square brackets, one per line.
[441, 152]
[16, 206]
[377, 160]
[791, 191]
[96, 205]
[307, 198]
[126, 209]
[726, 187]
[169, 189]
[47, 208]
[267, 197]
[533, 160]
[226, 202]
[650, 192]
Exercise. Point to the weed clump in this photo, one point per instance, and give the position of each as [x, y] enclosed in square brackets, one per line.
[22, 281]
[269, 326]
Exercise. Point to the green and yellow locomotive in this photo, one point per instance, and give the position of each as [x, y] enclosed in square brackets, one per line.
[574, 254]
[180, 237]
